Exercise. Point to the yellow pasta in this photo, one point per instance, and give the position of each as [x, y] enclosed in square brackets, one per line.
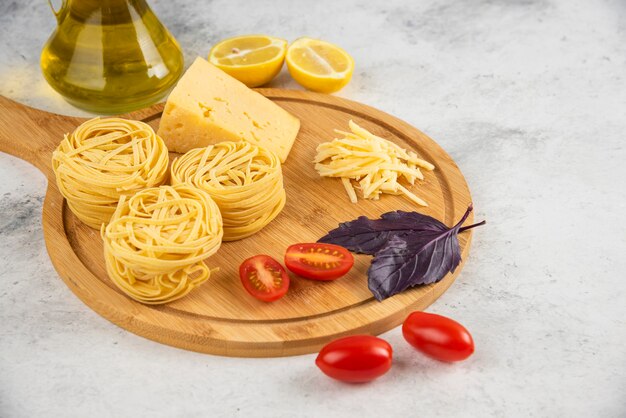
[104, 159]
[245, 180]
[156, 241]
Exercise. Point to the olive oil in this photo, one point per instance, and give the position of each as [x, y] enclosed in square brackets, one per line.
[110, 56]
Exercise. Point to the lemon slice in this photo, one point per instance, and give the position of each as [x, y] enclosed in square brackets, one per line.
[318, 65]
[252, 59]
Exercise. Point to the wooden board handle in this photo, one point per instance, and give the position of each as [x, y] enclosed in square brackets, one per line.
[31, 134]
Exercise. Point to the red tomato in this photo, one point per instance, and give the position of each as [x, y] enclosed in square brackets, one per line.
[355, 359]
[438, 337]
[318, 261]
[264, 278]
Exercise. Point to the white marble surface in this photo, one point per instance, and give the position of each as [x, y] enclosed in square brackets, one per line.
[528, 96]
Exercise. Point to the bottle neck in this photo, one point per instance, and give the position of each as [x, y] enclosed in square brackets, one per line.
[106, 12]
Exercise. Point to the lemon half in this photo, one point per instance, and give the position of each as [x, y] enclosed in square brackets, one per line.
[318, 65]
[252, 59]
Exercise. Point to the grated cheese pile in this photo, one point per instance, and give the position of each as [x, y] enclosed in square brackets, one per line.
[374, 163]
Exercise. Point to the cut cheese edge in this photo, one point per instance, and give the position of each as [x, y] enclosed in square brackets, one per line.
[208, 106]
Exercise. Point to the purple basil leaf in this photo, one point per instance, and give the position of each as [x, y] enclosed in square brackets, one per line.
[421, 257]
[368, 236]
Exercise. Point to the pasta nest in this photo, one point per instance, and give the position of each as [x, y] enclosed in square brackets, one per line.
[104, 159]
[245, 180]
[156, 241]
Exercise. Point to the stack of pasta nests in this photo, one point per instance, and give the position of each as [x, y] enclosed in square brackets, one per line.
[156, 237]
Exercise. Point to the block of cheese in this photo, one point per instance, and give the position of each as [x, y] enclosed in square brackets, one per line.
[209, 106]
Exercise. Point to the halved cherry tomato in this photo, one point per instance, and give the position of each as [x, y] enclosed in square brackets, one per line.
[355, 359]
[264, 278]
[318, 261]
[438, 337]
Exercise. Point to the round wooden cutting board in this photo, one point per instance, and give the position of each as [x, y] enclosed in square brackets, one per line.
[220, 317]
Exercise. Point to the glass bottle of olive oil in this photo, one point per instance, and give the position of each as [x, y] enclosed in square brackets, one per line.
[110, 56]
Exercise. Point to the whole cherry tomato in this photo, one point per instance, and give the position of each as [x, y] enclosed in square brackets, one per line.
[438, 337]
[318, 261]
[355, 359]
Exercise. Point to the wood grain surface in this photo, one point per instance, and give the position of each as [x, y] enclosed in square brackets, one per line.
[220, 317]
